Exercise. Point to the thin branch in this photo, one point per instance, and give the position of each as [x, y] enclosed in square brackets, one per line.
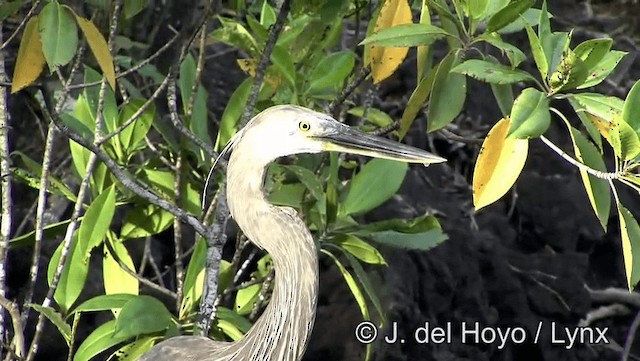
[198, 75]
[22, 24]
[215, 242]
[6, 212]
[177, 228]
[132, 69]
[261, 70]
[631, 335]
[594, 172]
[175, 119]
[127, 180]
[348, 90]
[135, 115]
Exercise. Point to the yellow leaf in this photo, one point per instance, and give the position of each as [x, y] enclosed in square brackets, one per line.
[385, 60]
[248, 66]
[603, 126]
[99, 48]
[30, 61]
[627, 251]
[499, 164]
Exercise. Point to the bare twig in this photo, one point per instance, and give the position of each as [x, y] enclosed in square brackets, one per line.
[348, 90]
[24, 21]
[18, 336]
[631, 335]
[135, 115]
[615, 295]
[604, 312]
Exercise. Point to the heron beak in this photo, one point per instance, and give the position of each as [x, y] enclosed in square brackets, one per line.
[342, 138]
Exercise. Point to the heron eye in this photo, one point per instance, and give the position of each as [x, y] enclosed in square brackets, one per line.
[304, 126]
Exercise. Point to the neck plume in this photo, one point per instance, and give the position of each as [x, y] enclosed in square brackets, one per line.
[288, 319]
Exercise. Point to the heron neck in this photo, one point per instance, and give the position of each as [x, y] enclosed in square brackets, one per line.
[288, 319]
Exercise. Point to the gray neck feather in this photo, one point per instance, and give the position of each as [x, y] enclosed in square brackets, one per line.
[283, 330]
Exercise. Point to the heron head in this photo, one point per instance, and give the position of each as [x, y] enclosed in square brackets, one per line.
[286, 129]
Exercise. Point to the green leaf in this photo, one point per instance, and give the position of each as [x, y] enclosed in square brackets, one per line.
[267, 15]
[193, 288]
[448, 94]
[538, 52]
[73, 277]
[629, 143]
[366, 284]
[530, 116]
[59, 34]
[630, 232]
[50, 232]
[378, 180]
[187, 80]
[229, 329]
[164, 182]
[132, 136]
[373, 115]
[570, 73]
[592, 51]
[598, 73]
[116, 279]
[142, 315]
[556, 50]
[331, 71]
[308, 178]
[232, 113]
[290, 195]
[351, 282]
[416, 241]
[282, 61]
[245, 298]
[101, 339]
[515, 55]
[104, 303]
[96, 221]
[9, 8]
[530, 17]
[132, 351]
[597, 189]
[478, 8]
[361, 249]
[491, 73]
[416, 102]
[56, 319]
[143, 221]
[631, 109]
[601, 106]
[508, 14]
[235, 34]
[233, 318]
[406, 35]
[133, 7]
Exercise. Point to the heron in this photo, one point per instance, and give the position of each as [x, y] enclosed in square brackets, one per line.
[282, 332]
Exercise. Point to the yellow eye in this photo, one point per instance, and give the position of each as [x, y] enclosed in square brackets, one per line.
[304, 126]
